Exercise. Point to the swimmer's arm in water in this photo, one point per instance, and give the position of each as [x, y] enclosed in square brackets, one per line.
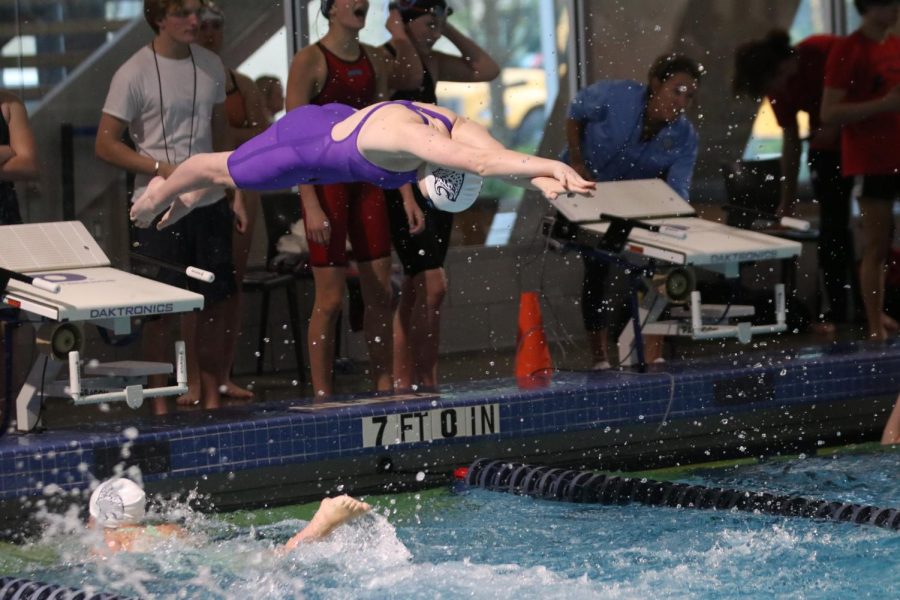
[891, 433]
[126, 539]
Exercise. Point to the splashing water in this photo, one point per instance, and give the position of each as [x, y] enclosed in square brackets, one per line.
[485, 545]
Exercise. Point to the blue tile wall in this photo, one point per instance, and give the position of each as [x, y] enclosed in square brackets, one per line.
[573, 402]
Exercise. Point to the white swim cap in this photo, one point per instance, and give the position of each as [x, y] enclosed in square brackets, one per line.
[449, 190]
[117, 502]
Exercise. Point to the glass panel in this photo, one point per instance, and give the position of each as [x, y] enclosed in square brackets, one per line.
[765, 140]
[852, 16]
[271, 58]
[528, 38]
[46, 41]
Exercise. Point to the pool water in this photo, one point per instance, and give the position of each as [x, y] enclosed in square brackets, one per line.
[449, 544]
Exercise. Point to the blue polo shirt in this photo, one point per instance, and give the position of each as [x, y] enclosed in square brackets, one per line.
[612, 114]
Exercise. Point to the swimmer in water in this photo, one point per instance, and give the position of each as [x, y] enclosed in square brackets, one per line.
[119, 505]
[388, 144]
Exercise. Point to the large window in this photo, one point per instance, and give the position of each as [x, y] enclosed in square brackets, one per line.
[528, 39]
[813, 16]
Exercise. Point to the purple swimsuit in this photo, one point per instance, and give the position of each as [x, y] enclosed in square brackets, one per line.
[298, 149]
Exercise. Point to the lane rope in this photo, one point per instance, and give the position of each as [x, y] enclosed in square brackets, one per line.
[589, 487]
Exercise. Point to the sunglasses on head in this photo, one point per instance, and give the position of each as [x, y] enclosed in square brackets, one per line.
[438, 12]
[184, 13]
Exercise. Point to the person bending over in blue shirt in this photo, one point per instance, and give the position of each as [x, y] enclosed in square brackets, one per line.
[620, 130]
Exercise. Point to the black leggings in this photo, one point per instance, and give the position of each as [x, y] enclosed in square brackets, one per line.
[836, 248]
[605, 293]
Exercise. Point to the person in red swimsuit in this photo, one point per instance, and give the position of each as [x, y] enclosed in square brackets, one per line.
[339, 69]
[862, 94]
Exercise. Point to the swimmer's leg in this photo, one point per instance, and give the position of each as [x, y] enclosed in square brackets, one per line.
[197, 172]
[332, 513]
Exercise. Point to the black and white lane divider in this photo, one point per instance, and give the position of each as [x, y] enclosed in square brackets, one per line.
[590, 487]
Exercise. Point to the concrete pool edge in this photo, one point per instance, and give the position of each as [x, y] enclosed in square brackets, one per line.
[287, 452]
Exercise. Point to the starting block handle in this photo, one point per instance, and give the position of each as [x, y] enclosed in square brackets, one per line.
[41, 284]
[180, 364]
[792, 223]
[673, 232]
[199, 274]
[780, 305]
[75, 375]
[191, 271]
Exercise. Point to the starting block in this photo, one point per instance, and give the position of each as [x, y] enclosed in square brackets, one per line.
[58, 273]
[643, 225]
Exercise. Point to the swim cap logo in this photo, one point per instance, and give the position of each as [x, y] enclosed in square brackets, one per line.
[448, 183]
[110, 505]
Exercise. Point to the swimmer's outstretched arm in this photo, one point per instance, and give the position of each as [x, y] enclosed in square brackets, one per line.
[891, 433]
[332, 513]
[197, 173]
[470, 149]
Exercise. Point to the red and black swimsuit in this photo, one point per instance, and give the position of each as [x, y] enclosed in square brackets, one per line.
[357, 210]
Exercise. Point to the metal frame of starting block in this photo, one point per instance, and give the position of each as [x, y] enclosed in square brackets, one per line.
[639, 224]
[83, 288]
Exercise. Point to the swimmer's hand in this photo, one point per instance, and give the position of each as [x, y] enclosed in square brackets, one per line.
[571, 180]
[549, 187]
[415, 218]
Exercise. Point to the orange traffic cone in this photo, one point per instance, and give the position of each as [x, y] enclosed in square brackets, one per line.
[533, 364]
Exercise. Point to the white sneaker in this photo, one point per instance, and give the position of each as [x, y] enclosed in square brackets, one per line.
[603, 365]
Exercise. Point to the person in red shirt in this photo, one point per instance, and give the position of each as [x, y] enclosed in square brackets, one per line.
[793, 78]
[862, 94]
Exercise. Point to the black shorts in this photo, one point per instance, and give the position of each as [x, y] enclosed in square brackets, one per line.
[427, 250]
[201, 239]
[9, 205]
[877, 187]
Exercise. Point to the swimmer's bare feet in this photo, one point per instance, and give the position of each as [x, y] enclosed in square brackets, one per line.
[890, 325]
[878, 335]
[145, 208]
[230, 389]
[191, 398]
[160, 407]
[332, 513]
[187, 202]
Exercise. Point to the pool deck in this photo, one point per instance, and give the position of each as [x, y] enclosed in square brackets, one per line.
[288, 451]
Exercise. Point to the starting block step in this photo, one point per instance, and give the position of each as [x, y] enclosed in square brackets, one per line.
[127, 368]
[714, 311]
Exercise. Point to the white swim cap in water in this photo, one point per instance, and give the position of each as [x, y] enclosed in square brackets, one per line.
[117, 502]
[449, 190]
